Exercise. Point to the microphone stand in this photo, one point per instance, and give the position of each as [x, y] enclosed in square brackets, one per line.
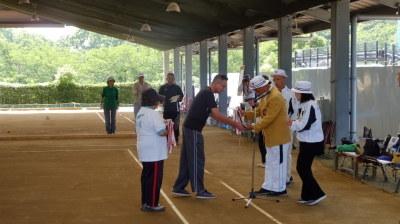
[252, 194]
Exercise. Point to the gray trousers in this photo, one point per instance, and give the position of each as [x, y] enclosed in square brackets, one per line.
[109, 117]
[191, 166]
[136, 108]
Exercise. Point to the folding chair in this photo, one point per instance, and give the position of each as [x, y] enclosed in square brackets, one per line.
[372, 150]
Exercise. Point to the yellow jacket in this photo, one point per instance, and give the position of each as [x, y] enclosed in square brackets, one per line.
[273, 123]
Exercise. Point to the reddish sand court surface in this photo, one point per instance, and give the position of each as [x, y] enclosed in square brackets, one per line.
[61, 167]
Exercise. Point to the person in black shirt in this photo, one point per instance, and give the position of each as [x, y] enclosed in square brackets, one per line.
[173, 95]
[192, 159]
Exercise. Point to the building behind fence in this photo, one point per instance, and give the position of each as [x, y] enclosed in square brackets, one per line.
[367, 53]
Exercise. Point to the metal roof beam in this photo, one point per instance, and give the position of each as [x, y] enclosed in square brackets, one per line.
[320, 14]
[390, 3]
[274, 25]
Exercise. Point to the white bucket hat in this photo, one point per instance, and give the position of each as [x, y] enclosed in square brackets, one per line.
[302, 87]
[110, 79]
[279, 72]
[140, 74]
[258, 82]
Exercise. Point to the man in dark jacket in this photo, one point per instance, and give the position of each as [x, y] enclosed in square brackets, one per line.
[173, 95]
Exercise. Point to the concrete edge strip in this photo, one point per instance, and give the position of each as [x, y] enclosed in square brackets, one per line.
[241, 196]
[61, 137]
[178, 213]
[61, 150]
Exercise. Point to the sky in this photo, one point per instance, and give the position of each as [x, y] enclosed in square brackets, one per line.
[53, 34]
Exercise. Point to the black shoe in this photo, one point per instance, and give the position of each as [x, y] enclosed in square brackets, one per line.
[316, 201]
[205, 195]
[290, 181]
[276, 193]
[180, 193]
[147, 208]
[302, 201]
[262, 191]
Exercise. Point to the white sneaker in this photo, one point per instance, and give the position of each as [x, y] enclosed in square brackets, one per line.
[316, 201]
[302, 201]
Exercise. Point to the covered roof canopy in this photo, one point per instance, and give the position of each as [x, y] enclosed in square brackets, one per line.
[198, 20]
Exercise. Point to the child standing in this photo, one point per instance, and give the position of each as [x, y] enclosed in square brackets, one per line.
[152, 149]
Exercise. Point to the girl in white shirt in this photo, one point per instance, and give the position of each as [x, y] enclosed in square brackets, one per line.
[152, 149]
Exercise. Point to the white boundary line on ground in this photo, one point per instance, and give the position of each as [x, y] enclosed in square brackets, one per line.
[241, 196]
[178, 213]
[101, 118]
[254, 205]
[183, 219]
[133, 122]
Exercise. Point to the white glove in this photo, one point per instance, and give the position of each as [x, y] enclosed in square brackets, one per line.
[174, 99]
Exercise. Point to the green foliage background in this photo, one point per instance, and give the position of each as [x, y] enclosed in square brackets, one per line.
[59, 92]
[36, 70]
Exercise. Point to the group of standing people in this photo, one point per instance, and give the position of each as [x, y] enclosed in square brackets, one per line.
[282, 111]
[279, 115]
[172, 92]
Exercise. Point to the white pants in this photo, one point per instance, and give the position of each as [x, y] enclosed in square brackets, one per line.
[289, 163]
[276, 168]
[289, 157]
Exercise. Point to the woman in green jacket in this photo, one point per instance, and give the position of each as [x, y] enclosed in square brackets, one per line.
[109, 102]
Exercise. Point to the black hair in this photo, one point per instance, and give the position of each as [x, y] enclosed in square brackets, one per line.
[150, 97]
[306, 97]
[220, 77]
[170, 73]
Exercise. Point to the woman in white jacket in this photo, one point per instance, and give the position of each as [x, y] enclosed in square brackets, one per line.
[308, 128]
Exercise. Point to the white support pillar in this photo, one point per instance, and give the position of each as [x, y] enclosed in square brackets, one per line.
[203, 64]
[353, 86]
[285, 47]
[249, 51]
[188, 72]
[223, 69]
[166, 63]
[340, 74]
[177, 67]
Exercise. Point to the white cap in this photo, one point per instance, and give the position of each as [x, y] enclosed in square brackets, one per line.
[141, 74]
[110, 78]
[279, 72]
[258, 82]
[302, 87]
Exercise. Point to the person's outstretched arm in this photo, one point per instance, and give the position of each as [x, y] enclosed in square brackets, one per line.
[221, 118]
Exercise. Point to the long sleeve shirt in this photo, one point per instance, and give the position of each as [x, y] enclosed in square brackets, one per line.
[308, 126]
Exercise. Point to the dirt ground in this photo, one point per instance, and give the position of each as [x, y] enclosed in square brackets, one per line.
[97, 179]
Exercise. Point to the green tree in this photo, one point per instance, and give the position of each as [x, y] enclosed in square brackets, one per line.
[84, 40]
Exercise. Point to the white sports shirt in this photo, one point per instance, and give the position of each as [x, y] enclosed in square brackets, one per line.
[150, 145]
